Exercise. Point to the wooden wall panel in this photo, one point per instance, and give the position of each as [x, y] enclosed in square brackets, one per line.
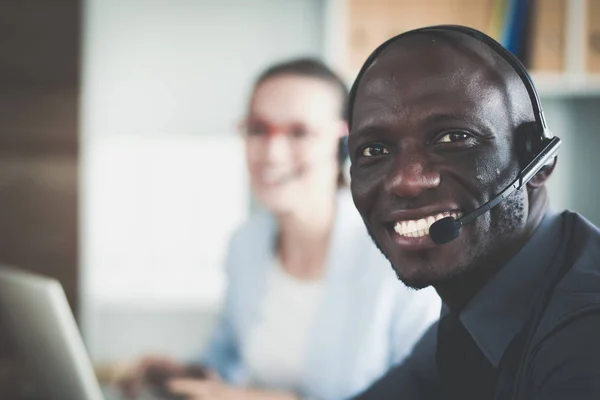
[39, 96]
[38, 121]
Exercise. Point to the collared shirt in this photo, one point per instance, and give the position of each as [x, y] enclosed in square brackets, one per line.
[567, 367]
[499, 310]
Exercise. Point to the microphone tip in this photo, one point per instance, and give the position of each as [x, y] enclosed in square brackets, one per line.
[444, 230]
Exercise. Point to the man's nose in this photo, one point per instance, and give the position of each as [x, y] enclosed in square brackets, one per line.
[411, 175]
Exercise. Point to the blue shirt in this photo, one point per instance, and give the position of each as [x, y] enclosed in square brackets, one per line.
[564, 360]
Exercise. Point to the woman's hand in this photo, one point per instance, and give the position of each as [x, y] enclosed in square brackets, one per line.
[147, 371]
[156, 372]
[213, 389]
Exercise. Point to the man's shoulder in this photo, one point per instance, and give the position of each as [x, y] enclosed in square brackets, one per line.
[566, 364]
[583, 254]
[585, 233]
[583, 228]
[575, 301]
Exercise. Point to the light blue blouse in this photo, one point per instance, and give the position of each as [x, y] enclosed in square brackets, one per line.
[367, 320]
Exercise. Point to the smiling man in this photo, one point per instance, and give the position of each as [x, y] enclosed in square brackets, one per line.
[442, 121]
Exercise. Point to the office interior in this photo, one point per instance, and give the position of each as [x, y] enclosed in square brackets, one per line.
[122, 172]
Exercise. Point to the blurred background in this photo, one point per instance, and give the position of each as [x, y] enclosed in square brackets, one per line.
[121, 173]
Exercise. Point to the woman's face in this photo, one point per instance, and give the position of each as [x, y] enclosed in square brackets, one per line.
[291, 134]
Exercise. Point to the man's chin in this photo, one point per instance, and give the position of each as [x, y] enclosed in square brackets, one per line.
[414, 283]
[418, 279]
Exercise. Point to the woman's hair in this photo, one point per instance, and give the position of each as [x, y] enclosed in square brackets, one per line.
[313, 68]
[310, 68]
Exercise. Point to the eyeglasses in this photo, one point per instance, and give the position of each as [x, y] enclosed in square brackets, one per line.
[258, 130]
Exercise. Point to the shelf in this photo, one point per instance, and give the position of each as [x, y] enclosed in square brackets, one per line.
[555, 86]
[343, 49]
[551, 85]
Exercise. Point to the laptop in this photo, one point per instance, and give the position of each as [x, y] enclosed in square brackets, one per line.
[35, 311]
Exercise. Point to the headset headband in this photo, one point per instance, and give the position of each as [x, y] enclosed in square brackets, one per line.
[510, 58]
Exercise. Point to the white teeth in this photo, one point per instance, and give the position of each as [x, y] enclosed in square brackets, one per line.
[412, 226]
[420, 227]
[430, 221]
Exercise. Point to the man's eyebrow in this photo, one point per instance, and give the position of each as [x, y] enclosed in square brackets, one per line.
[369, 130]
[376, 128]
[438, 117]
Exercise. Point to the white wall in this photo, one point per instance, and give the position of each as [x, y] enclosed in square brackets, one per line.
[559, 119]
[583, 180]
[574, 184]
[162, 177]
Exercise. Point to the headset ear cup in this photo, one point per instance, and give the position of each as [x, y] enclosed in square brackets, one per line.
[529, 142]
[343, 150]
[343, 162]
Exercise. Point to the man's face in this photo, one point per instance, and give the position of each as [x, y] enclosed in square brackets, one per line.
[432, 136]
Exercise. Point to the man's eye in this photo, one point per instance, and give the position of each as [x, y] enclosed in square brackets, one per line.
[453, 137]
[375, 150]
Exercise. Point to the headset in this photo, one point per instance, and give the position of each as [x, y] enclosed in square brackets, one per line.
[342, 153]
[537, 146]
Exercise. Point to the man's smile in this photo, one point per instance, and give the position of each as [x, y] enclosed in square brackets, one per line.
[409, 229]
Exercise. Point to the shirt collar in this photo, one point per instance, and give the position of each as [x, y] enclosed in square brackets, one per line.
[499, 310]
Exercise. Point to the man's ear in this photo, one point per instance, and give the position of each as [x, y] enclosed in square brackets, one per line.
[541, 177]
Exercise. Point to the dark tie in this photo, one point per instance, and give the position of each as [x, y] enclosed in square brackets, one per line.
[464, 371]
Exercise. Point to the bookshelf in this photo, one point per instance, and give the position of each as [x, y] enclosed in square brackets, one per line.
[563, 42]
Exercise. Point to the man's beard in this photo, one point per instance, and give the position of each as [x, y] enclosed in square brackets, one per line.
[511, 220]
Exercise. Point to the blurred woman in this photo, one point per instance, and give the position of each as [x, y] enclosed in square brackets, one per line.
[312, 308]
